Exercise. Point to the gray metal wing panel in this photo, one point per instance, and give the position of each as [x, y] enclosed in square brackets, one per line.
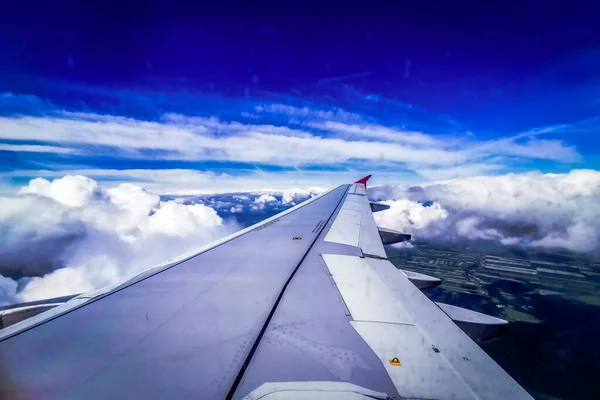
[183, 332]
[310, 337]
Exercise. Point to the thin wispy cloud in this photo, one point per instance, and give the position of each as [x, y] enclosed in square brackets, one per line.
[377, 132]
[32, 148]
[306, 138]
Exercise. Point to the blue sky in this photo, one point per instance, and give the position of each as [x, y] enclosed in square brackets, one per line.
[247, 97]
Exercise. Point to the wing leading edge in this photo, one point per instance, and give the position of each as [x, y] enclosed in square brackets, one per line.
[304, 302]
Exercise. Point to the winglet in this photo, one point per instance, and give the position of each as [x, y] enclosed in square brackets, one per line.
[363, 180]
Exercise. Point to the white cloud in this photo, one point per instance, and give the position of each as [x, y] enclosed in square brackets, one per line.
[177, 220]
[265, 198]
[532, 148]
[71, 190]
[296, 196]
[379, 132]
[97, 272]
[460, 171]
[194, 138]
[410, 215]
[236, 209]
[71, 235]
[132, 197]
[534, 209]
[290, 197]
[32, 148]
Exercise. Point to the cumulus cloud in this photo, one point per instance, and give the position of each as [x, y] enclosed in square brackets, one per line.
[265, 198]
[285, 198]
[531, 209]
[99, 271]
[71, 235]
[296, 196]
[236, 209]
[70, 190]
[174, 219]
[241, 205]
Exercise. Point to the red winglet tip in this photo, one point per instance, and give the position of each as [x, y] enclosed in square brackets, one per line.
[364, 180]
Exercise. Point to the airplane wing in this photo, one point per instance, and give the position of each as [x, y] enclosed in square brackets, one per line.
[302, 305]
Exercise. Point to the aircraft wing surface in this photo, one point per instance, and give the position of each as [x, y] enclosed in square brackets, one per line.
[302, 305]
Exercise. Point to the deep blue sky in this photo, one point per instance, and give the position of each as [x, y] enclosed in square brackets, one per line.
[485, 68]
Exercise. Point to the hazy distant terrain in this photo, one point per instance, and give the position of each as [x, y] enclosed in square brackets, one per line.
[551, 300]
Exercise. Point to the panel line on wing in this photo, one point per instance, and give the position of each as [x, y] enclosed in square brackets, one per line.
[260, 335]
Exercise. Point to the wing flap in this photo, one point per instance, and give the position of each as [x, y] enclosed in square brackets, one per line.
[478, 326]
[365, 294]
[398, 321]
[369, 240]
[391, 332]
[422, 281]
[469, 361]
[420, 372]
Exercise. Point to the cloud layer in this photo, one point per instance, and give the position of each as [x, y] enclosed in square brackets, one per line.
[531, 209]
[71, 235]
